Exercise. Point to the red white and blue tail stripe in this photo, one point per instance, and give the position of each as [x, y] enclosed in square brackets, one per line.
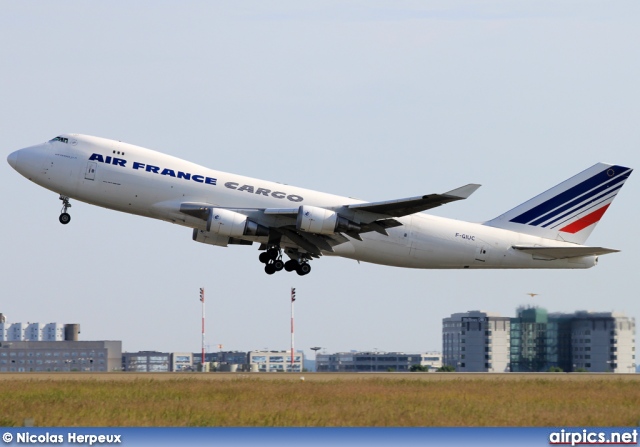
[570, 210]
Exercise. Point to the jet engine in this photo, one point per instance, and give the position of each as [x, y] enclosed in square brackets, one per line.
[209, 238]
[231, 224]
[321, 221]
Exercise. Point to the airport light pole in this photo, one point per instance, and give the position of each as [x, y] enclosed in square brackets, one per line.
[375, 351]
[293, 299]
[202, 300]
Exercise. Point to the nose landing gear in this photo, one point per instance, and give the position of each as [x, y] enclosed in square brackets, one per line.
[64, 218]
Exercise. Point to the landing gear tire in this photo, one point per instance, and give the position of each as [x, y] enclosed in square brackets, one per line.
[64, 218]
[264, 257]
[291, 265]
[278, 265]
[273, 253]
[269, 269]
[303, 269]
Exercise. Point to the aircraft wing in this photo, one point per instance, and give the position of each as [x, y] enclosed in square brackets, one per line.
[564, 252]
[412, 205]
[372, 216]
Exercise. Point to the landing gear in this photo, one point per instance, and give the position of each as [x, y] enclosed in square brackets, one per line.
[278, 265]
[272, 267]
[64, 218]
[272, 258]
[303, 269]
[291, 265]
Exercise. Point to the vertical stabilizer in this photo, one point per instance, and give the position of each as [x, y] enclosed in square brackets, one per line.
[569, 211]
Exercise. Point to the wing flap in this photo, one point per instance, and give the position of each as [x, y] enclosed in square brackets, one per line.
[564, 252]
[303, 241]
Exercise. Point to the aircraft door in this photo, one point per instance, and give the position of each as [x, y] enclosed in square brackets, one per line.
[90, 173]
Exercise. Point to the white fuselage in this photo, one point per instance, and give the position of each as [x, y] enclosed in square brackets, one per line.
[140, 181]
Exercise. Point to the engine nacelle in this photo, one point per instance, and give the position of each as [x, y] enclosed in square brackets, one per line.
[231, 224]
[321, 221]
[209, 238]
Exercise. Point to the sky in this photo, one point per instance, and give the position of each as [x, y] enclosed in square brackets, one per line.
[377, 100]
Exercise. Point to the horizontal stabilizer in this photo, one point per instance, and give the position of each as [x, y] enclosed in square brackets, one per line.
[564, 252]
[412, 205]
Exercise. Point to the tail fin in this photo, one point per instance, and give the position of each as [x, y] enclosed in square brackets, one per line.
[569, 211]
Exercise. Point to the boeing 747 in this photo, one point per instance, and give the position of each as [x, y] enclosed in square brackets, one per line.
[222, 209]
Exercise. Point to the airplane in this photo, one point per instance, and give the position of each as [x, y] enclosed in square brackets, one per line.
[223, 209]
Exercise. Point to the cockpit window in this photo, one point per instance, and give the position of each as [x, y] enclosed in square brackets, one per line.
[63, 139]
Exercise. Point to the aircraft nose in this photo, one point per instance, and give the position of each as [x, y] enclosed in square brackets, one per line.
[12, 159]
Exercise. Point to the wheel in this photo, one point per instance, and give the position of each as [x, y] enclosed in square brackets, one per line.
[278, 265]
[273, 253]
[64, 218]
[303, 269]
[269, 269]
[291, 265]
[264, 257]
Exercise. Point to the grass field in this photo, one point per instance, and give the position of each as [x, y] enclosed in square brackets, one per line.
[321, 400]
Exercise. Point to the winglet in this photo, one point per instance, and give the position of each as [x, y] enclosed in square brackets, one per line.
[464, 191]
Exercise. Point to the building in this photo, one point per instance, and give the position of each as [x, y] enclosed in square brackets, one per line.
[82, 356]
[230, 361]
[34, 347]
[535, 341]
[275, 361]
[253, 361]
[584, 341]
[146, 361]
[154, 361]
[221, 357]
[37, 331]
[181, 361]
[532, 341]
[476, 341]
[376, 361]
[223, 361]
[603, 342]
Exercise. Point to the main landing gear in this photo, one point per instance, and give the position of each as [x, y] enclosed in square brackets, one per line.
[64, 218]
[272, 258]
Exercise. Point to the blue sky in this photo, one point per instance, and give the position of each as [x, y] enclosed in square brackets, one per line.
[376, 100]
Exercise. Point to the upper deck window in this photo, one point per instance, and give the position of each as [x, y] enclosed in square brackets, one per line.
[63, 139]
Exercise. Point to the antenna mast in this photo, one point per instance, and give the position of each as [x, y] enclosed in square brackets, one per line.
[202, 300]
[293, 298]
